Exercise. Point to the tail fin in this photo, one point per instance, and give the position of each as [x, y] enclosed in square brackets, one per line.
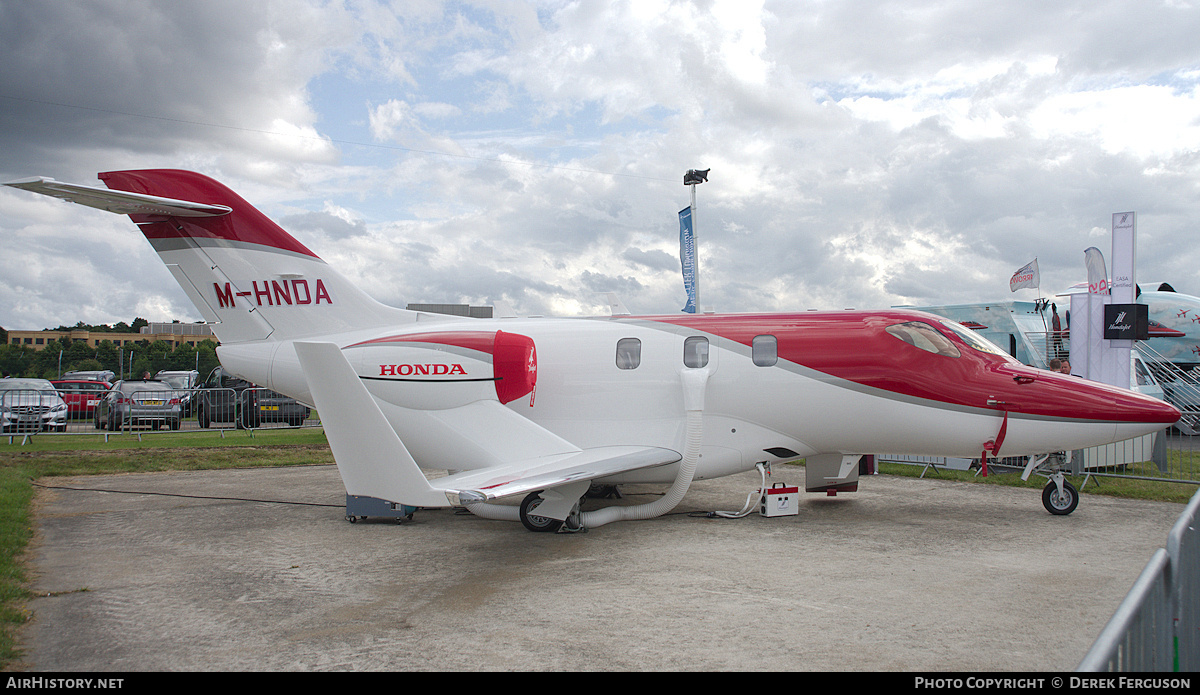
[243, 272]
[245, 275]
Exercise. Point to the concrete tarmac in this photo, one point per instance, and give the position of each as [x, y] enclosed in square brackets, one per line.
[905, 575]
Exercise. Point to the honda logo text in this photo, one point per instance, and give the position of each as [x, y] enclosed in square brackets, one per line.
[421, 369]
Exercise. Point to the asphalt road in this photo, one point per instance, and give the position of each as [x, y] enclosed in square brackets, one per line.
[907, 574]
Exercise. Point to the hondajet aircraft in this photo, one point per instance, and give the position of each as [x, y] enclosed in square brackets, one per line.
[543, 408]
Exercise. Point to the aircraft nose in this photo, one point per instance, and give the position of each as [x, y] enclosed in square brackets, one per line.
[1055, 411]
[1139, 415]
[1070, 397]
[1132, 407]
[1146, 409]
[1150, 409]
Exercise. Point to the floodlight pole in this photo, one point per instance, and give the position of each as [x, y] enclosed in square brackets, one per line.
[691, 179]
[696, 246]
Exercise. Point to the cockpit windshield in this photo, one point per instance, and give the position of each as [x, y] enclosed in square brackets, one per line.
[922, 335]
[975, 340]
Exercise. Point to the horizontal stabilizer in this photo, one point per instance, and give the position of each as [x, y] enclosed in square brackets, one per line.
[119, 202]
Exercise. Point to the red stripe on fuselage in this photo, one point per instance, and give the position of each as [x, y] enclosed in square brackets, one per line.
[854, 346]
[245, 224]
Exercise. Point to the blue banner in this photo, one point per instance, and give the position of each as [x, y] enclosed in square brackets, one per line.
[687, 256]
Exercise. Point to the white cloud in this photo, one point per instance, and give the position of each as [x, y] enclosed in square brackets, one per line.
[389, 118]
[862, 154]
[1143, 120]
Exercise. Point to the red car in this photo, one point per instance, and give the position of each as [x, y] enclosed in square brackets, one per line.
[81, 396]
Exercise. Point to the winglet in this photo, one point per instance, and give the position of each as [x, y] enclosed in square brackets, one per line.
[370, 457]
[615, 306]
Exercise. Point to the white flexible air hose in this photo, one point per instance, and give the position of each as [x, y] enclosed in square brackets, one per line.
[753, 500]
[501, 512]
[664, 504]
[694, 382]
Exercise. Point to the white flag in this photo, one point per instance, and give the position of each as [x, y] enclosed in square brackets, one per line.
[1027, 276]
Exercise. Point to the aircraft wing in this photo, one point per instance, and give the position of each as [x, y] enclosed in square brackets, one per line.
[120, 202]
[521, 477]
[374, 462]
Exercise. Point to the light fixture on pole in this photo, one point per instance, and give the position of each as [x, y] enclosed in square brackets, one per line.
[687, 241]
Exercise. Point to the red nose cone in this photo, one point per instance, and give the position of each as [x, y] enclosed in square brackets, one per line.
[1063, 396]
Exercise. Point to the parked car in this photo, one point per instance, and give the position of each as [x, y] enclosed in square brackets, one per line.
[224, 397]
[31, 405]
[185, 381]
[81, 396]
[101, 375]
[133, 403]
[276, 407]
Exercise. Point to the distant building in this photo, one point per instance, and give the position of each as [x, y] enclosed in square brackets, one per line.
[174, 334]
[475, 312]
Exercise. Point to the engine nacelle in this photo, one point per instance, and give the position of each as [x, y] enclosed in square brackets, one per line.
[447, 369]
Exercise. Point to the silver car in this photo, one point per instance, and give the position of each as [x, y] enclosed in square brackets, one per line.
[31, 405]
[138, 403]
[185, 381]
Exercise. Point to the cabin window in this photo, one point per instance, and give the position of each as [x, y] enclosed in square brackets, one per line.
[695, 352]
[764, 350]
[922, 335]
[629, 353]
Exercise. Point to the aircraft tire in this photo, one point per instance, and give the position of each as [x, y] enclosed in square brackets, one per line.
[1057, 504]
[533, 522]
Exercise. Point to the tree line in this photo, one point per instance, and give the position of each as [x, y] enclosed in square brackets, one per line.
[64, 355]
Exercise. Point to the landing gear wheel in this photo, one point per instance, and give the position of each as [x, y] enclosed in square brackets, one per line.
[1060, 503]
[533, 522]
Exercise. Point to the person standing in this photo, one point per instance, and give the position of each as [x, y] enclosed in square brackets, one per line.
[1056, 345]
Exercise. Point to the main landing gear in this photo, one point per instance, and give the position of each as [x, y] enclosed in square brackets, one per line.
[537, 523]
[533, 522]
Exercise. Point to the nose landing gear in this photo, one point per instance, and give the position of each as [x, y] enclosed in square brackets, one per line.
[1059, 497]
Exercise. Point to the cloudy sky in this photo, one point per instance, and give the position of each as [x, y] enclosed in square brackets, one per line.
[863, 154]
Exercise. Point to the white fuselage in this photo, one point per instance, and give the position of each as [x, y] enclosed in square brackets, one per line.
[583, 398]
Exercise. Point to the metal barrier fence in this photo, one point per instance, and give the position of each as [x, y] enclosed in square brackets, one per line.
[141, 409]
[1157, 626]
[32, 410]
